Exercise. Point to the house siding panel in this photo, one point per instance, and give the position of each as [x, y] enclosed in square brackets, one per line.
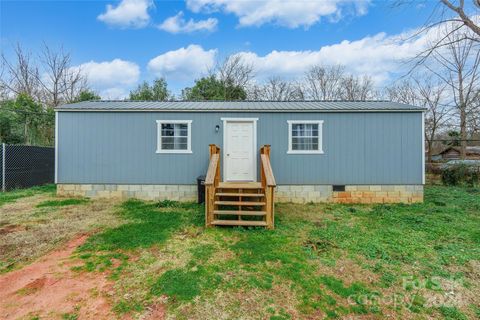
[359, 148]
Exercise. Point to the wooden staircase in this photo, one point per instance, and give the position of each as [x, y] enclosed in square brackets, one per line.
[239, 203]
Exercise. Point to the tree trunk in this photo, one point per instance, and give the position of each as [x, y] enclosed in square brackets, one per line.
[429, 150]
[463, 133]
[25, 132]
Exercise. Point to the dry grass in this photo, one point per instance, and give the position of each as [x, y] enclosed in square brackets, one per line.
[28, 232]
[317, 261]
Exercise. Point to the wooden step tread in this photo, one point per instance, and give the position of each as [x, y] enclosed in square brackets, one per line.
[240, 203]
[240, 213]
[240, 185]
[234, 194]
[239, 223]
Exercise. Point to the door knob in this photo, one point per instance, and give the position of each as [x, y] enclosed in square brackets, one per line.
[228, 154]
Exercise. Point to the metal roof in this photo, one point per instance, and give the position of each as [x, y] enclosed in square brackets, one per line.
[239, 106]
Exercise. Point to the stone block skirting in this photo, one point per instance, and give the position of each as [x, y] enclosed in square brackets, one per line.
[352, 194]
[179, 192]
[284, 193]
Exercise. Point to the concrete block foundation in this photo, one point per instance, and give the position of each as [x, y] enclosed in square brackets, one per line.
[283, 193]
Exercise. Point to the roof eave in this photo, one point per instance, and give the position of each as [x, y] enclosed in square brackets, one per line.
[238, 110]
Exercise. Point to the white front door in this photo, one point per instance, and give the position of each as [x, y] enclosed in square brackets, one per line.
[239, 154]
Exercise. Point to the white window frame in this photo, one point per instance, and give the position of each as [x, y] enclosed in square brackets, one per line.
[159, 136]
[320, 136]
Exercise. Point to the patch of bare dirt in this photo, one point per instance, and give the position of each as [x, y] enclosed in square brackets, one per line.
[155, 312]
[48, 288]
[9, 228]
[349, 272]
[28, 232]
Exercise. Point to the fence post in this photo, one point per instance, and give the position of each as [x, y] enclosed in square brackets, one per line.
[3, 166]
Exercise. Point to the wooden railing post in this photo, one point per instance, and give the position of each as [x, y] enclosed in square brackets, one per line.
[262, 171]
[211, 183]
[268, 185]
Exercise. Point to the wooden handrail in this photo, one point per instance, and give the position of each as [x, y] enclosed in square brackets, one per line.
[211, 182]
[212, 170]
[268, 185]
[267, 171]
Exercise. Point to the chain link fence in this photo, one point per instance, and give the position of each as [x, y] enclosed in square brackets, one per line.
[26, 166]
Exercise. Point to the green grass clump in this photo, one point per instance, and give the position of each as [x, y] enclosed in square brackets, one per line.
[451, 313]
[184, 285]
[345, 292]
[61, 203]
[11, 196]
[145, 226]
[69, 316]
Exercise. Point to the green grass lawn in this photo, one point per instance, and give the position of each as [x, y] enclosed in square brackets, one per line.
[11, 196]
[321, 261]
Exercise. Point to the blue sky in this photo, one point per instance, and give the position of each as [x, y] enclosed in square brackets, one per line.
[118, 44]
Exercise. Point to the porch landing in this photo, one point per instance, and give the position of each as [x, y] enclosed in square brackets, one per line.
[240, 185]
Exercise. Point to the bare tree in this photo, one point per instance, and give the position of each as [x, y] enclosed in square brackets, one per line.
[460, 15]
[3, 86]
[460, 61]
[74, 84]
[60, 82]
[324, 82]
[234, 72]
[436, 113]
[276, 89]
[473, 119]
[50, 79]
[424, 92]
[357, 88]
[21, 76]
[449, 22]
[404, 92]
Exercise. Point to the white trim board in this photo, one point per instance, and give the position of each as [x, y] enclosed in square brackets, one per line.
[320, 137]
[159, 136]
[423, 147]
[56, 146]
[255, 147]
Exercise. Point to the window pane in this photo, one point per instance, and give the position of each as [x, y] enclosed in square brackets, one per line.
[167, 146]
[305, 137]
[167, 130]
[181, 129]
[174, 136]
[180, 143]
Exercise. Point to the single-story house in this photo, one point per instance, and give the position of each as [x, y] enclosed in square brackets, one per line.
[453, 153]
[338, 151]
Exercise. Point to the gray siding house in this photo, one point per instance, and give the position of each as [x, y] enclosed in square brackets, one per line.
[369, 151]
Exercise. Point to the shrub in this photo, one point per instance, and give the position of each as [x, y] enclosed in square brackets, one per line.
[461, 175]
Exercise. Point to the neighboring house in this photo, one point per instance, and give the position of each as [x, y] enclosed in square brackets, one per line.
[370, 151]
[453, 153]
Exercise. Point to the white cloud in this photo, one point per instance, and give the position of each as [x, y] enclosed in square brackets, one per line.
[177, 24]
[184, 64]
[288, 13]
[378, 56]
[112, 79]
[127, 14]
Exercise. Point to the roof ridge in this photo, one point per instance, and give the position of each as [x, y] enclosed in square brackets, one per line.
[277, 101]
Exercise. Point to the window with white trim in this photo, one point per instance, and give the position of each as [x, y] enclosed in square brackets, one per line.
[174, 136]
[305, 136]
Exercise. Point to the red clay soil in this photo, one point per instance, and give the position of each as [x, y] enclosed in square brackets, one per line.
[48, 288]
